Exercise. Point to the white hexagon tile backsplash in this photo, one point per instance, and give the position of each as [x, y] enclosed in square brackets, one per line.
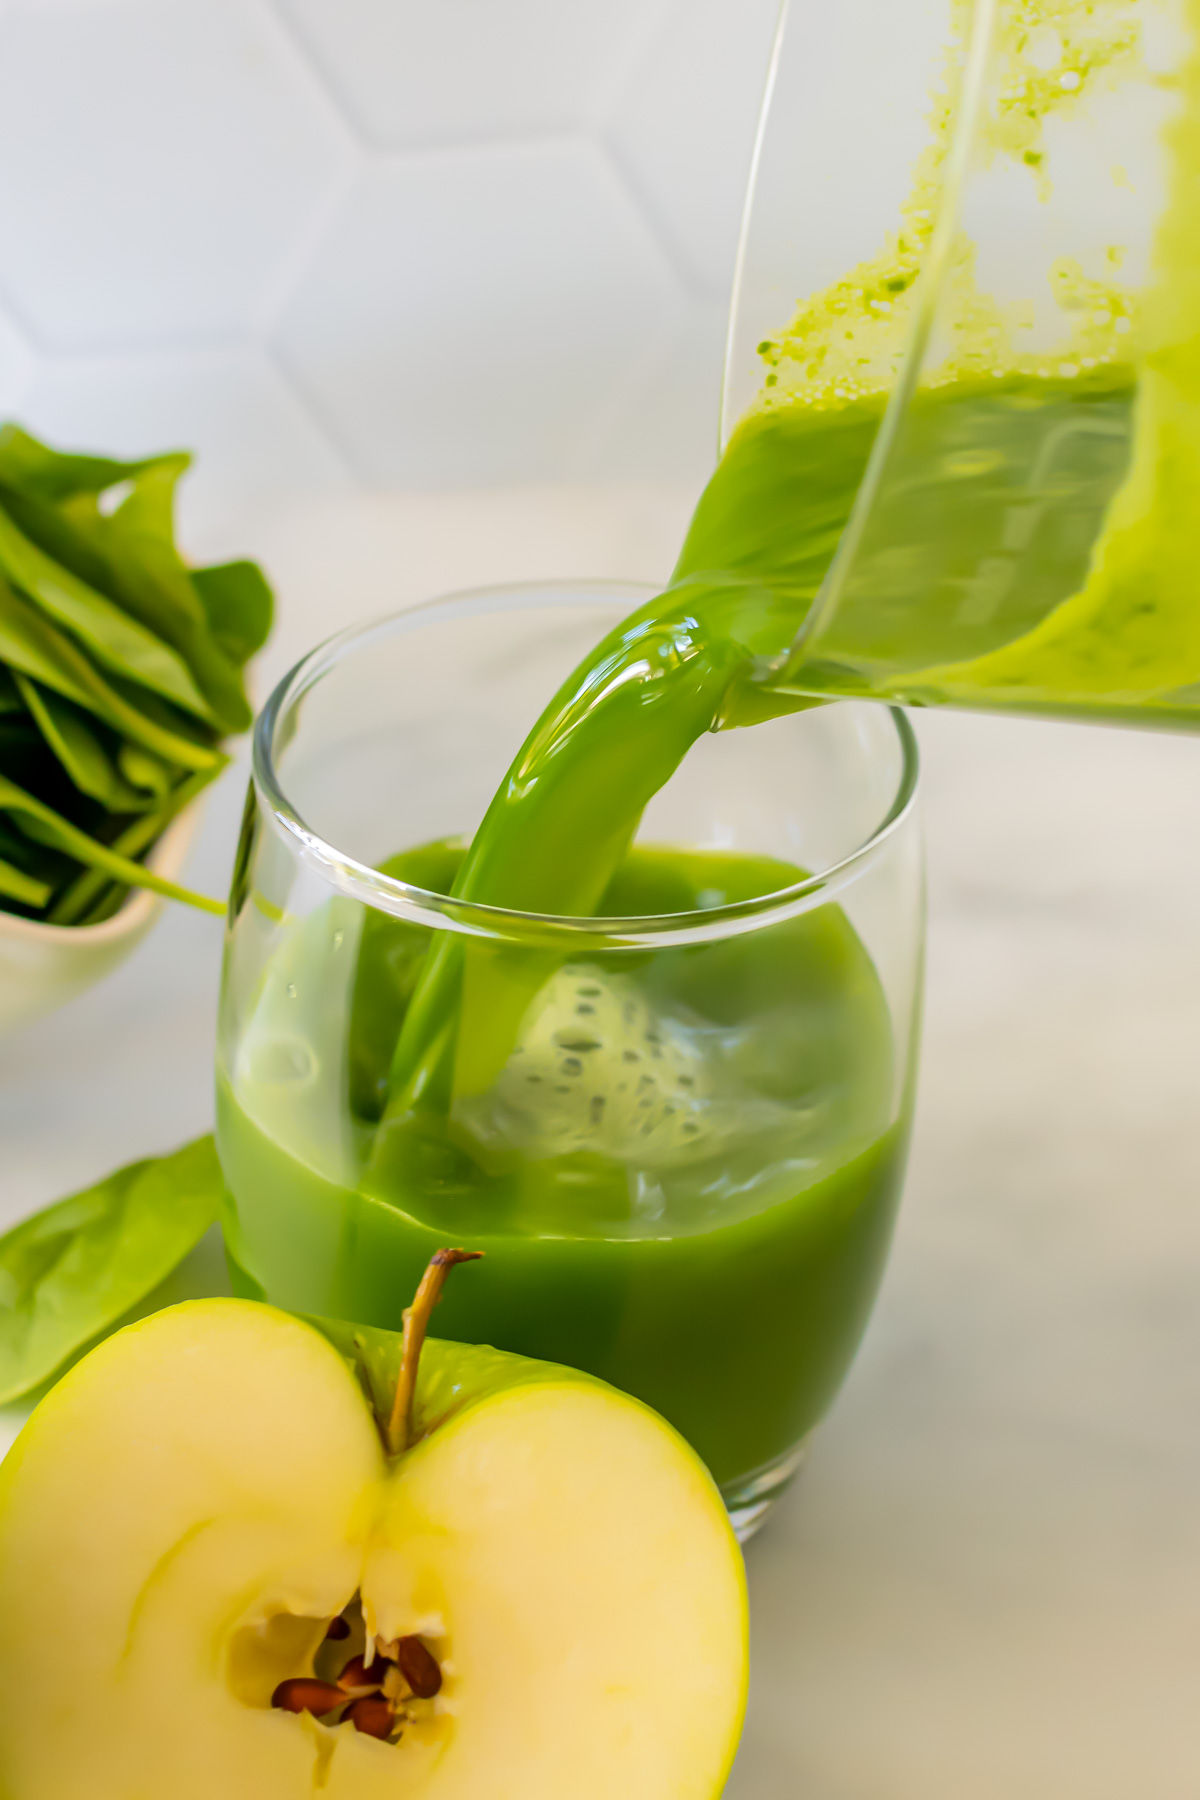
[161, 160]
[374, 243]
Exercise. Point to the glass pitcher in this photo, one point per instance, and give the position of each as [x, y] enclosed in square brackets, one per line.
[969, 455]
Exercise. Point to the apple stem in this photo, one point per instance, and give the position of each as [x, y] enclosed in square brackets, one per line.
[416, 1324]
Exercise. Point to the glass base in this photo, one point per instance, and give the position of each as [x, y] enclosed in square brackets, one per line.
[750, 1501]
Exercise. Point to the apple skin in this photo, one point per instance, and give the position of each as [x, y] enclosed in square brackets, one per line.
[452, 1375]
[188, 1508]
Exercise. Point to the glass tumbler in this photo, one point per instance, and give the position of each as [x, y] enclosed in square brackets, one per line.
[683, 1161]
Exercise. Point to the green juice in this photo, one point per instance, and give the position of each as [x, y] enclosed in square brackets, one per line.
[1070, 595]
[750, 1082]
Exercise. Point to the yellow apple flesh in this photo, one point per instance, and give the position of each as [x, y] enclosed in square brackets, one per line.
[186, 1512]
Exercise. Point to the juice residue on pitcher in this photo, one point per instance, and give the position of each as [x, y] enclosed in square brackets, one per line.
[1027, 539]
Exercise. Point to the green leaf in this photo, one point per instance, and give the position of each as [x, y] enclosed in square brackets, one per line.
[113, 637]
[66, 730]
[145, 771]
[119, 673]
[151, 579]
[49, 867]
[240, 606]
[47, 827]
[72, 1271]
[163, 715]
[79, 903]
[21, 748]
[110, 899]
[64, 531]
[10, 699]
[26, 759]
[19, 886]
[56, 474]
[32, 644]
[77, 536]
[139, 543]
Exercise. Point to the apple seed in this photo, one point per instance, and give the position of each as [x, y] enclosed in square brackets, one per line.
[419, 1667]
[304, 1693]
[339, 1628]
[357, 1676]
[372, 1715]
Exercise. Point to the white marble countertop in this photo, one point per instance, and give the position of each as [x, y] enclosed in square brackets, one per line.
[987, 1583]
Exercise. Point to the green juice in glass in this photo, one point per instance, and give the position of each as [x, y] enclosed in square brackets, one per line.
[749, 1079]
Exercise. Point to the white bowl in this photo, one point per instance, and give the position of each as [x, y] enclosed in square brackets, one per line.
[43, 966]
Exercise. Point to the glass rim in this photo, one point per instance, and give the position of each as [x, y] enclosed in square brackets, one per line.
[422, 906]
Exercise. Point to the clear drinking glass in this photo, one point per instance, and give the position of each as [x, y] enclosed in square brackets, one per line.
[970, 284]
[684, 1162]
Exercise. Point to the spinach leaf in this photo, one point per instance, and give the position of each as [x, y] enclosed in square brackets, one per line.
[21, 748]
[30, 643]
[73, 1271]
[63, 532]
[79, 749]
[117, 640]
[27, 760]
[145, 771]
[239, 605]
[56, 474]
[18, 886]
[45, 826]
[150, 577]
[46, 867]
[80, 902]
[121, 671]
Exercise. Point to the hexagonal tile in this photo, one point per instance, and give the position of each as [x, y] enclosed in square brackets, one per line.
[683, 128]
[16, 366]
[255, 444]
[408, 72]
[471, 313]
[168, 156]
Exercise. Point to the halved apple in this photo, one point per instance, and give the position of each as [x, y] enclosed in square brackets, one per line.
[202, 1518]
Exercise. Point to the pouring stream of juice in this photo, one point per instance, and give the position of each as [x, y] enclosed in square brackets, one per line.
[1030, 543]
